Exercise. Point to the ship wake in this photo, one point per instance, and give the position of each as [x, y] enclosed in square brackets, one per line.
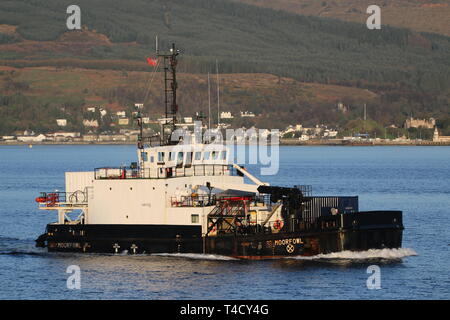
[196, 256]
[372, 254]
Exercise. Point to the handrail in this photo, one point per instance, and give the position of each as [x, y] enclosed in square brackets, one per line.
[57, 198]
[163, 172]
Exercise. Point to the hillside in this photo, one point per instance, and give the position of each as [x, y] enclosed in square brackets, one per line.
[244, 38]
[64, 91]
[406, 72]
[420, 15]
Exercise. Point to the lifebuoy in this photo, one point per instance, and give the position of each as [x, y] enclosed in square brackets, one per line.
[278, 224]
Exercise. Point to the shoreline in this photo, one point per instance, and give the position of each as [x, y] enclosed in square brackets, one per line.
[283, 142]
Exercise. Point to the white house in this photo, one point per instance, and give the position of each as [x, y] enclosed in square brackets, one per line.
[124, 121]
[38, 138]
[61, 122]
[145, 120]
[226, 115]
[247, 114]
[90, 123]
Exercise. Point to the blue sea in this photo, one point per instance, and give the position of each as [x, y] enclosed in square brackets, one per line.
[415, 180]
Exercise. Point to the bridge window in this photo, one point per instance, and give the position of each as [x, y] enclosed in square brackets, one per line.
[188, 161]
[180, 158]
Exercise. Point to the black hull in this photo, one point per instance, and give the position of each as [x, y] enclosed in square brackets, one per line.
[355, 232]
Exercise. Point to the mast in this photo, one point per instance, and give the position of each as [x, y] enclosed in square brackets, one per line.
[170, 101]
[170, 94]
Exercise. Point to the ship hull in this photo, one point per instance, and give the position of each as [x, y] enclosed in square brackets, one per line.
[355, 232]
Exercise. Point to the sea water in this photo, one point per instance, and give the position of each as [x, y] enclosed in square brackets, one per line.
[415, 180]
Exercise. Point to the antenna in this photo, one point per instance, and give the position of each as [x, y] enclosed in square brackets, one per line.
[218, 94]
[156, 40]
[209, 103]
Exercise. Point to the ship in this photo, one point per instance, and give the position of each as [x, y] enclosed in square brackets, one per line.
[195, 199]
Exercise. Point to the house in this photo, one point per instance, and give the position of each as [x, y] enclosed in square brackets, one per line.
[90, 123]
[304, 137]
[417, 123]
[146, 120]
[330, 133]
[247, 114]
[61, 122]
[438, 138]
[123, 121]
[226, 115]
[38, 138]
[63, 136]
[90, 137]
[342, 107]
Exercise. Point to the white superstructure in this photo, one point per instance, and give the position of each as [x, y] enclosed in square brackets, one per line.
[169, 187]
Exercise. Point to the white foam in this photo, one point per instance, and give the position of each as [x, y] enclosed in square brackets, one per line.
[197, 256]
[363, 255]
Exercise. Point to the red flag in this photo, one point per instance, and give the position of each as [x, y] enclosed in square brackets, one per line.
[152, 62]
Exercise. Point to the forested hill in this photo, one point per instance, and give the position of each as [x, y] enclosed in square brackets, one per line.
[244, 38]
[296, 67]
[420, 15]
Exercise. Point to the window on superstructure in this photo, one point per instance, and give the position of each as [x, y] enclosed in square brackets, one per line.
[172, 156]
[224, 155]
[206, 156]
[215, 155]
[180, 158]
[188, 161]
[198, 156]
[144, 156]
[160, 156]
[152, 159]
[195, 218]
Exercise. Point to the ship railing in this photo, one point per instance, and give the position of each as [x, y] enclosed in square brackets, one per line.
[62, 199]
[164, 172]
[193, 201]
